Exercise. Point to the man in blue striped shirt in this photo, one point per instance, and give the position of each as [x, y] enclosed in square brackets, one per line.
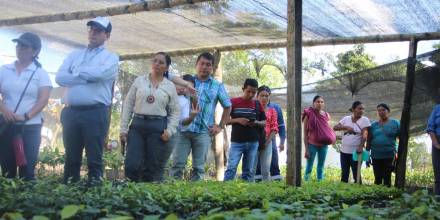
[88, 75]
[197, 136]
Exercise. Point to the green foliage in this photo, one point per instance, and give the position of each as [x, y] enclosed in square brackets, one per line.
[353, 60]
[264, 65]
[436, 46]
[125, 200]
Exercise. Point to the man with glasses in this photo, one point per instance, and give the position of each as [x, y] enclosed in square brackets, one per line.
[88, 75]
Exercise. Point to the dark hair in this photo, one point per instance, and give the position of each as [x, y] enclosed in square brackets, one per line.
[355, 105]
[317, 97]
[207, 56]
[264, 88]
[385, 106]
[189, 78]
[167, 57]
[251, 83]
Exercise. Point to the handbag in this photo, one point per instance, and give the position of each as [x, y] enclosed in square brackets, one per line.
[17, 141]
[260, 131]
[323, 133]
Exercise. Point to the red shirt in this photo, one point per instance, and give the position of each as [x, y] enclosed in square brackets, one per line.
[271, 121]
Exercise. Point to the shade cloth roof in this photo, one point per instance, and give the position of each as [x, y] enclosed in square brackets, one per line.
[228, 22]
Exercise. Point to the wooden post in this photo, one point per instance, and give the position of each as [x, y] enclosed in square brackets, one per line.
[217, 141]
[406, 115]
[294, 81]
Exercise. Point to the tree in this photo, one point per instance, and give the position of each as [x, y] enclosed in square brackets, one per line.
[353, 60]
[265, 65]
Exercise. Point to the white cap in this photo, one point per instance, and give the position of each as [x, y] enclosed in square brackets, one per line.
[101, 22]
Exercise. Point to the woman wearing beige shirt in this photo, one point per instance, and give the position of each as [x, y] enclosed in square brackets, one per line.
[147, 103]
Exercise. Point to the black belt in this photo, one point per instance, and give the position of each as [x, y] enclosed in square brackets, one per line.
[86, 107]
[149, 117]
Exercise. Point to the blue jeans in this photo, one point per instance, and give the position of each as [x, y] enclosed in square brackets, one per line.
[263, 161]
[84, 128]
[249, 152]
[31, 142]
[274, 166]
[322, 153]
[147, 154]
[196, 143]
[436, 167]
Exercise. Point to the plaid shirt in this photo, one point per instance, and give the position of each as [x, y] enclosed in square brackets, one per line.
[210, 92]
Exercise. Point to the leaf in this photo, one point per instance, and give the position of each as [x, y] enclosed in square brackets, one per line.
[122, 218]
[13, 216]
[40, 217]
[421, 210]
[327, 198]
[151, 217]
[172, 217]
[69, 211]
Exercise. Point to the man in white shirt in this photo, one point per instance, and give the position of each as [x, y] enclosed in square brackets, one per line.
[88, 74]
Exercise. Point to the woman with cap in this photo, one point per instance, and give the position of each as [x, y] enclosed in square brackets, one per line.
[25, 88]
[149, 100]
[382, 137]
[355, 128]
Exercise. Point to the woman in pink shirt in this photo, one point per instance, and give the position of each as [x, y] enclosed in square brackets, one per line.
[312, 145]
[264, 155]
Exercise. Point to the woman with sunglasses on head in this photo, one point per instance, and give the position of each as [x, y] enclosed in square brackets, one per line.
[25, 89]
[382, 139]
[150, 99]
[355, 128]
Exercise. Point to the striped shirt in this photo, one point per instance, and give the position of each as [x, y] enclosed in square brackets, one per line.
[210, 92]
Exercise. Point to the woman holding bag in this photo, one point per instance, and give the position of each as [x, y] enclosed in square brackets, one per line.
[317, 136]
[25, 89]
[355, 128]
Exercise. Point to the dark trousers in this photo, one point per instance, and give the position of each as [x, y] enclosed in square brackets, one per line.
[147, 155]
[347, 162]
[31, 142]
[274, 166]
[382, 169]
[436, 167]
[84, 128]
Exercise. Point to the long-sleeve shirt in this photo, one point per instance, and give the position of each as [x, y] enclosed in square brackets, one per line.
[165, 98]
[434, 121]
[271, 122]
[281, 125]
[88, 75]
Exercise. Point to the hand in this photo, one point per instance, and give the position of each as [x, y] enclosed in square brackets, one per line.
[242, 121]
[8, 115]
[195, 109]
[281, 147]
[359, 150]
[123, 138]
[307, 154]
[214, 130]
[349, 129]
[437, 145]
[19, 118]
[191, 89]
[165, 136]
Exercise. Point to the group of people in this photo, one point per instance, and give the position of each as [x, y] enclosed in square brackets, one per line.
[162, 114]
[166, 115]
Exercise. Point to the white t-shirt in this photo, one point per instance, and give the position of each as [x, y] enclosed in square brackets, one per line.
[351, 141]
[12, 85]
[184, 105]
